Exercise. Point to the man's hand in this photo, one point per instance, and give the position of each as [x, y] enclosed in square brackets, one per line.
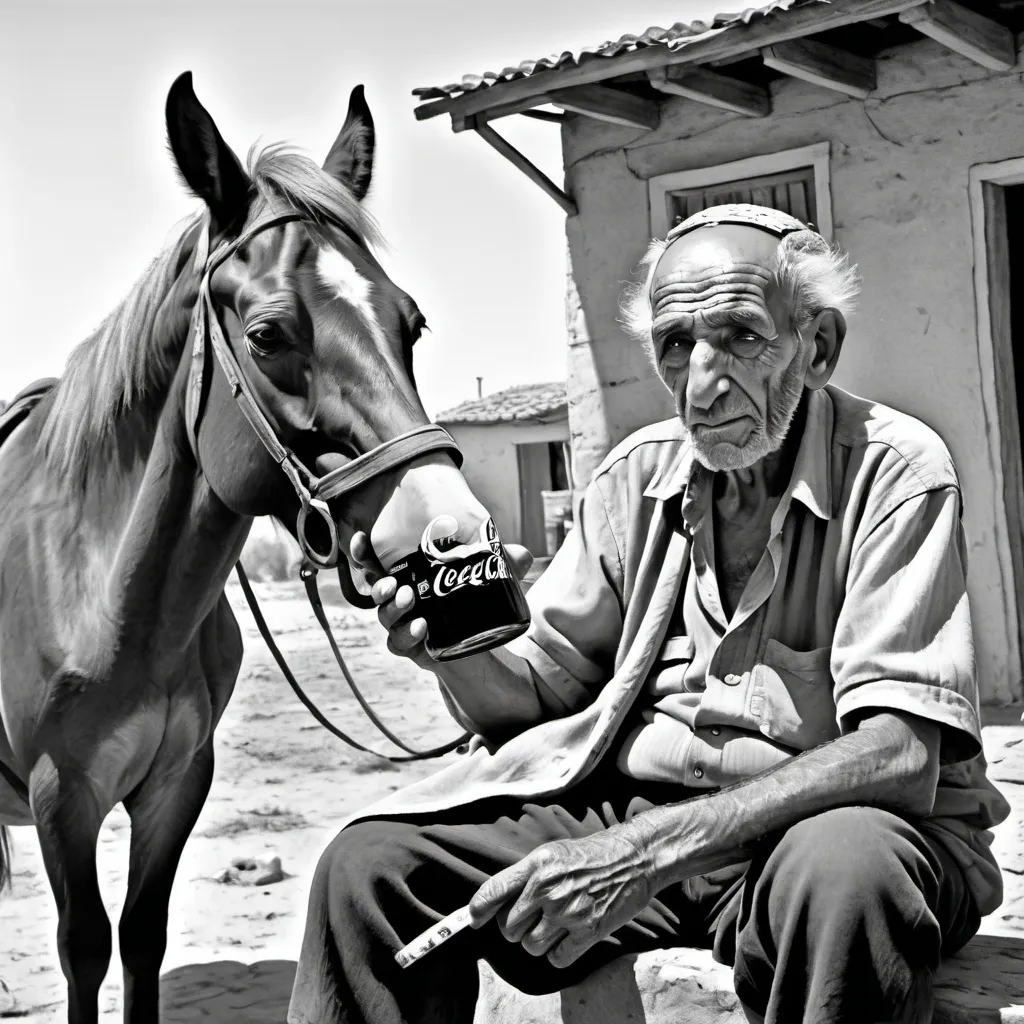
[567, 895]
[394, 603]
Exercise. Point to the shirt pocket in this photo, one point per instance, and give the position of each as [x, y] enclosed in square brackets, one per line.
[668, 671]
[792, 696]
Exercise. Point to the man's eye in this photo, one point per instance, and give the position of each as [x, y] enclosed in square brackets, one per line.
[675, 344]
[746, 344]
[265, 339]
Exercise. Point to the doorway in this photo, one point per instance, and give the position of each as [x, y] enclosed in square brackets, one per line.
[997, 210]
[543, 466]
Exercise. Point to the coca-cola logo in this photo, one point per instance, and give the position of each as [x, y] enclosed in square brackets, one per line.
[448, 579]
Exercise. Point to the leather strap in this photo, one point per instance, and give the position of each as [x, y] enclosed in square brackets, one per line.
[396, 452]
[314, 599]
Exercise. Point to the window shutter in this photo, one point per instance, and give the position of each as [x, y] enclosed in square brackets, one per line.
[791, 192]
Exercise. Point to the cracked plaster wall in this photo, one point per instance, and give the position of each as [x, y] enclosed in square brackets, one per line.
[899, 177]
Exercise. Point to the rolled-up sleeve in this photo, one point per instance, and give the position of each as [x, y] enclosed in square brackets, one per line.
[903, 641]
[576, 612]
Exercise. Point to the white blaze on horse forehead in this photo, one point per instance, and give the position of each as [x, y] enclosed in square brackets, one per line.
[339, 274]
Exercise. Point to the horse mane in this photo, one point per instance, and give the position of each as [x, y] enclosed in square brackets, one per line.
[121, 369]
[283, 175]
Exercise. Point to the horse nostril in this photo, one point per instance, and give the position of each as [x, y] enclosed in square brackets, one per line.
[330, 461]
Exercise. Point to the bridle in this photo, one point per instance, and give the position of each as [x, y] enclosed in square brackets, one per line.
[313, 491]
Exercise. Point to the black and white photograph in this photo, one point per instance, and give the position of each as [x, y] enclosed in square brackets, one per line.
[512, 513]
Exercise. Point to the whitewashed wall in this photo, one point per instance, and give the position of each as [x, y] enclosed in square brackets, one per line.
[491, 469]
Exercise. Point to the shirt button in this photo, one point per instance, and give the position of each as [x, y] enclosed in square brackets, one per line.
[715, 731]
[698, 772]
[731, 679]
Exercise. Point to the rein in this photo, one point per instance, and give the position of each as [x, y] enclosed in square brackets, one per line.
[313, 491]
[309, 579]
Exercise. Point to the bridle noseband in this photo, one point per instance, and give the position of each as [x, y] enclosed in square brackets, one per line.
[313, 491]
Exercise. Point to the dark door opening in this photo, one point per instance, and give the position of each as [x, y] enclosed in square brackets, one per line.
[1013, 196]
[542, 467]
[1004, 244]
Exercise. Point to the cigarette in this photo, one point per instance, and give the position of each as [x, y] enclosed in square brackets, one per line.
[433, 937]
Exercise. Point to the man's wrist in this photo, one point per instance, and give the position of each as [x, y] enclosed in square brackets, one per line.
[667, 839]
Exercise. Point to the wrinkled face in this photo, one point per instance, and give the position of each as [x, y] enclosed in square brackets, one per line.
[725, 346]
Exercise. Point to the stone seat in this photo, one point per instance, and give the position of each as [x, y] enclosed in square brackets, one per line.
[983, 984]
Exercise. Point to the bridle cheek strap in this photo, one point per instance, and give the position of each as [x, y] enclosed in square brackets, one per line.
[313, 492]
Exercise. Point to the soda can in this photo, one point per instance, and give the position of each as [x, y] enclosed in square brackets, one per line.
[467, 593]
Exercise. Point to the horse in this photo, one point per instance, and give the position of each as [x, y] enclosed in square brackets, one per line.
[261, 366]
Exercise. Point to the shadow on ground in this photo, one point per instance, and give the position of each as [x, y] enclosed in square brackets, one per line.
[227, 992]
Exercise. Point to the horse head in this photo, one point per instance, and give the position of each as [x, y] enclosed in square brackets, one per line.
[319, 338]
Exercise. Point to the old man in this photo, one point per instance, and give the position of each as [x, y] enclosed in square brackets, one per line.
[745, 715]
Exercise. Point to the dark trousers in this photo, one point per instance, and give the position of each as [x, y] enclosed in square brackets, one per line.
[842, 918]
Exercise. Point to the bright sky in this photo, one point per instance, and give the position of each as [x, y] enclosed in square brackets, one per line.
[88, 192]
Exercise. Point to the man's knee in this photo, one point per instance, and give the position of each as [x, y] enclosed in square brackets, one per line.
[844, 898]
[852, 851]
[847, 864]
[359, 859]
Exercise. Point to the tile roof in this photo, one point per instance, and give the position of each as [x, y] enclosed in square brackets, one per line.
[675, 38]
[527, 402]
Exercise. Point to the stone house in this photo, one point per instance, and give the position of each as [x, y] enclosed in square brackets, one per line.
[897, 128]
[516, 448]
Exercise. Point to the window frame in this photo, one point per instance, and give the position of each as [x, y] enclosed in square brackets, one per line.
[815, 156]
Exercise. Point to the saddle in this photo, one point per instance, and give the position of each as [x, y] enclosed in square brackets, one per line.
[24, 402]
[14, 414]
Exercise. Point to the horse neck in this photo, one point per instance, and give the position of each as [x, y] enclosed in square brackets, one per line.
[148, 544]
[178, 544]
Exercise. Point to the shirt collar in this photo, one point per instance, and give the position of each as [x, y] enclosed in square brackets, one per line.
[810, 484]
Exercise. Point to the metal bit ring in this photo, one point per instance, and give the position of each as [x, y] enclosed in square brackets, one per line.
[320, 560]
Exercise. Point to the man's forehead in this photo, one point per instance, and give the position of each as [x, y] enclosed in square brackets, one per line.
[723, 248]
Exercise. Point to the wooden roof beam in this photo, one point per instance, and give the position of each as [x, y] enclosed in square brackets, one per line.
[465, 123]
[605, 104]
[715, 90]
[824, 65]
[534, 173]
[966, 32]
[765, 31]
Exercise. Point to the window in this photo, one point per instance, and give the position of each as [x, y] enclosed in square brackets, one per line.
[795, 181]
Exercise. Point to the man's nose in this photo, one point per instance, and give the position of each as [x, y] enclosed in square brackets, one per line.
[702, 385]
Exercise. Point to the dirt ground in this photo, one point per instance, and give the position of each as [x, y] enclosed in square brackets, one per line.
[282, 784]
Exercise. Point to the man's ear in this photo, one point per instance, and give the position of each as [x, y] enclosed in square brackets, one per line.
[826, 333]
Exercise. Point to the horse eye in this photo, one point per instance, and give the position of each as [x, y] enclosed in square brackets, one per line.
[265, 339]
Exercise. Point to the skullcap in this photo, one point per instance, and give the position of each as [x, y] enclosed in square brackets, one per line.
[775, 222]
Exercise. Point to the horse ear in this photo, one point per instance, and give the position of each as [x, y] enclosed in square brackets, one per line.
[208, 167]
[351, 157]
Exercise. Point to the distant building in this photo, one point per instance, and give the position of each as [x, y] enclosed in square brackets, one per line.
[516, 446]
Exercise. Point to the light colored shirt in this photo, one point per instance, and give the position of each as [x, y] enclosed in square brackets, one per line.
[860, 605]
[852, 608]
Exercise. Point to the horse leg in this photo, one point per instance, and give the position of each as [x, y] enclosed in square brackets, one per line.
[163, 812]
[68, 813]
